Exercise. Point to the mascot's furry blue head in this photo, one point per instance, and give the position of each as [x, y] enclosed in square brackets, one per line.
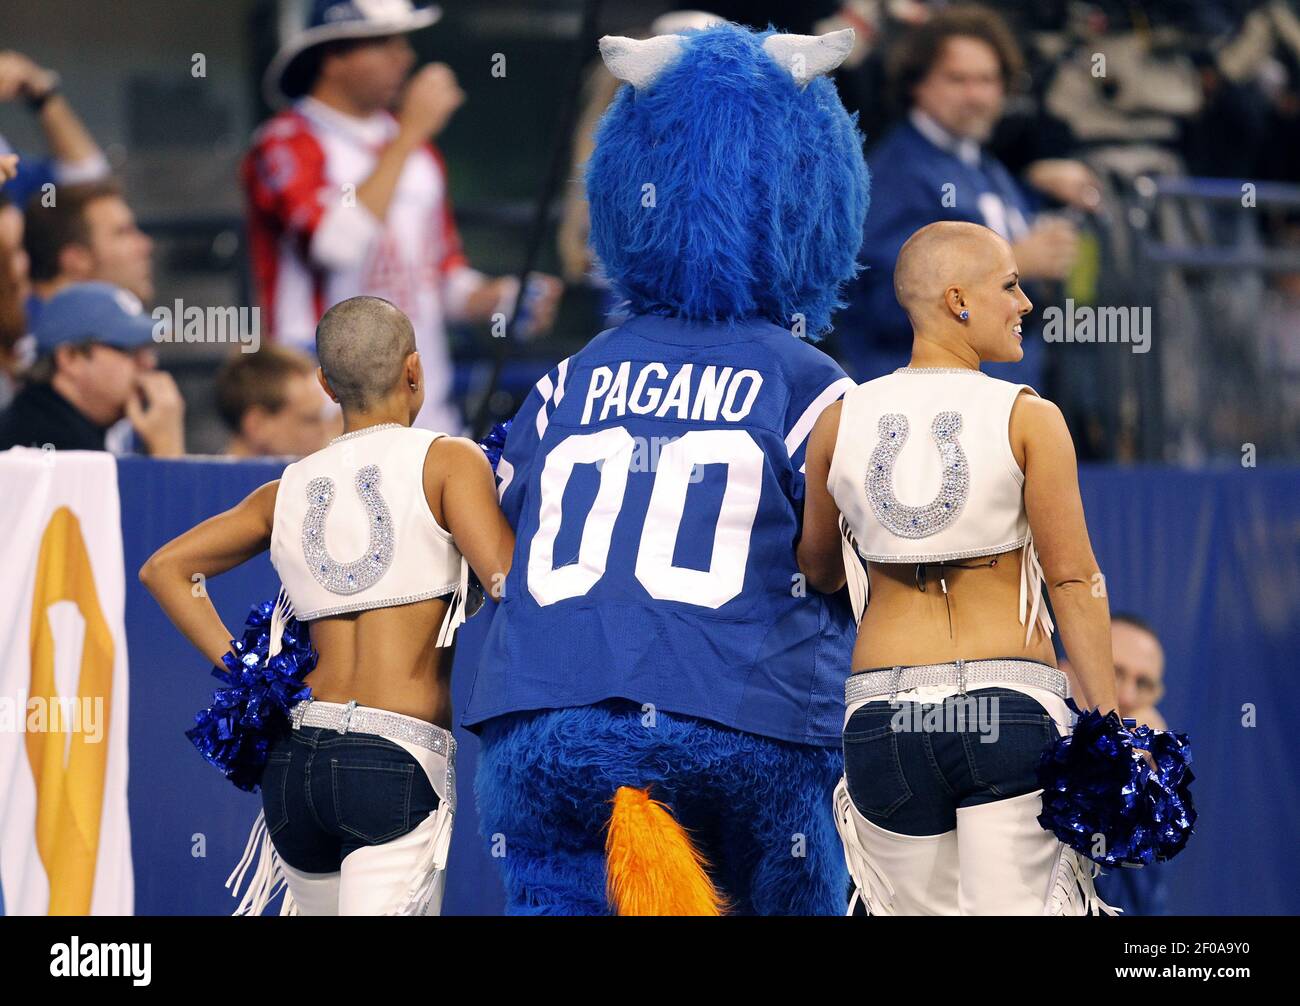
[728, 181]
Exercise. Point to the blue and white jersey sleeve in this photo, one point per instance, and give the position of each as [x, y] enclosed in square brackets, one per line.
[525, 437]
[815, 386]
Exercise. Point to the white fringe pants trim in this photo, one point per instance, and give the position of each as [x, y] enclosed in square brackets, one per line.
[997, 861]
[406, 876]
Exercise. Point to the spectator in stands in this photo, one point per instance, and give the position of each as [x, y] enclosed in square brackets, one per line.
[1139, 669]
[13, 285]
[346, 198]
[951, 75]
[88, 234]
[74, 157]
[94, 366]
[1139, 685]
[1278, 325]
[14, 264]
[1139, 679]
[272, 404]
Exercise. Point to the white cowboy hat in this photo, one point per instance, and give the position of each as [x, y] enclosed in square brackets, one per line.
[329, 21]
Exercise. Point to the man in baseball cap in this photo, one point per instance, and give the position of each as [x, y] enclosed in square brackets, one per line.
[95, 365]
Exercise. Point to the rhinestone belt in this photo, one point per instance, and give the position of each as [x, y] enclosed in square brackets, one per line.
[963, 673]
[352, 718]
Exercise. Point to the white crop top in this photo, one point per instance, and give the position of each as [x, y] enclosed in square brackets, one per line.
[353, 529]
[923, 472]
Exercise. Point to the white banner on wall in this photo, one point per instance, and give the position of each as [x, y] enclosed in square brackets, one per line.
[65, 841]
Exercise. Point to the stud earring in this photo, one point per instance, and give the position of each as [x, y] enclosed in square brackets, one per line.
[965, 316]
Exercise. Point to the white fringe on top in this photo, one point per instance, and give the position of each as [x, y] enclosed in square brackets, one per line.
[854, 574]
[280, 615]
[1031, 583]
[456, 607]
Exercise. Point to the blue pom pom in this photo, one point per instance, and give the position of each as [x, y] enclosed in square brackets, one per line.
[495, 442]
[1102, 799]
[235, 732]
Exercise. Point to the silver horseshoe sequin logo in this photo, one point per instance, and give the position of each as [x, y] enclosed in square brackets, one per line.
[929, 518]
[348, 577]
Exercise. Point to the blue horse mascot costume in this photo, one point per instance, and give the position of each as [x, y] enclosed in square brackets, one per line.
[659, 697]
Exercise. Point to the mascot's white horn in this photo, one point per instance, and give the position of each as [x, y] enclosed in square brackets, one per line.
[639, 60]
[806, 56]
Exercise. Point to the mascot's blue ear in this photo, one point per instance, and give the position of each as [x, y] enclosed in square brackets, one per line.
[727, 181]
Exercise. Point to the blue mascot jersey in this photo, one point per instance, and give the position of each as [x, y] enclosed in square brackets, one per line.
[654, 481]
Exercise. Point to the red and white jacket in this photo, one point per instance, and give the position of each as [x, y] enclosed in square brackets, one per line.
[314, 244]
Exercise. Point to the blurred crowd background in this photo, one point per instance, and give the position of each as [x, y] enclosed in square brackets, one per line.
[1139, 156]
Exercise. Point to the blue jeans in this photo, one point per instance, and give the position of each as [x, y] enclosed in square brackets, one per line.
[326, 794]
[910, 765]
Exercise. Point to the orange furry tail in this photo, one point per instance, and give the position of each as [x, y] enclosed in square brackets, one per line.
[653, 868]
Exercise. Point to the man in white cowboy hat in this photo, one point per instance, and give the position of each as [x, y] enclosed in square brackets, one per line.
[347, 197]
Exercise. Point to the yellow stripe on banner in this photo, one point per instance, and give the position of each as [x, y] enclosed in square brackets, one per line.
[69, 794]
